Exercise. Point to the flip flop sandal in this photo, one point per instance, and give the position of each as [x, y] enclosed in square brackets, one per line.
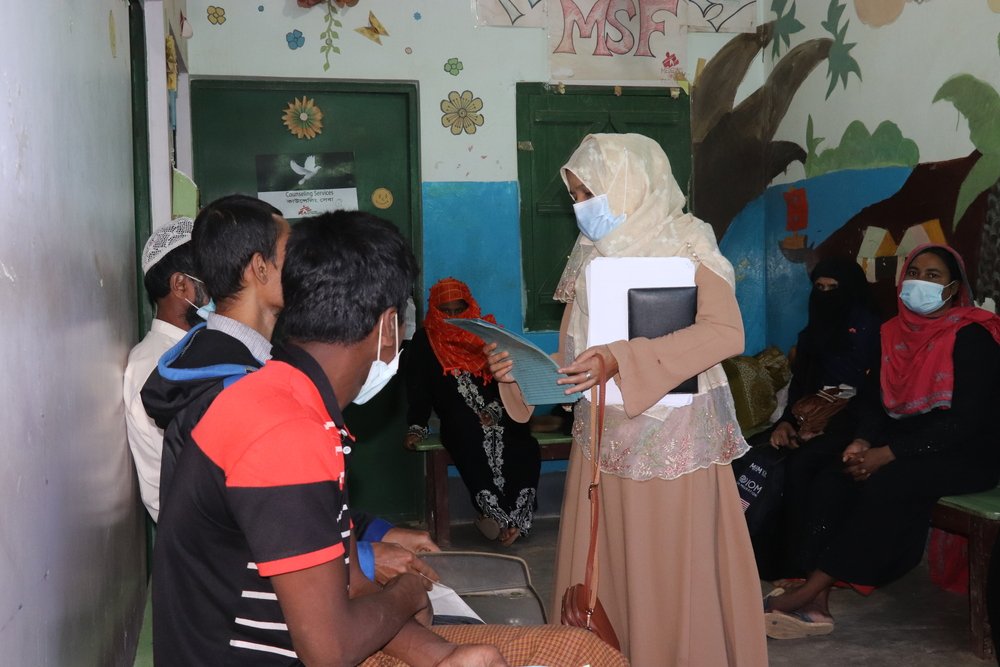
[775, 592]
[488, 526]
[794, 625]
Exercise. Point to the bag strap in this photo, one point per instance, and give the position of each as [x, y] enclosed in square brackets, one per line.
[596, 431]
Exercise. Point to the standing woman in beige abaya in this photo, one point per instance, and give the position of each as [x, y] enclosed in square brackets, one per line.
[677, 573]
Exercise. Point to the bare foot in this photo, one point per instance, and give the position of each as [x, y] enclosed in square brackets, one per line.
[790, 600]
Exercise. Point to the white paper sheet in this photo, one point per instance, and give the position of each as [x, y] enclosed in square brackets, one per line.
[446, 602]
[608, 281]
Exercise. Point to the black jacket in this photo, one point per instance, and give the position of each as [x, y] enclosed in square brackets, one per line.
[185, 382]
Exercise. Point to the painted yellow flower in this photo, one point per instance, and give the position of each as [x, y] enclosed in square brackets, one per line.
[303, 118]
[460, 112]
[216, 15]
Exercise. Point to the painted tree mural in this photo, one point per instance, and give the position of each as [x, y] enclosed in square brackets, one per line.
[735, 155]
[979, 102]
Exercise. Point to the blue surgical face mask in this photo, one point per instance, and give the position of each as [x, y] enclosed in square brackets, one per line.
[594, 218]
[921, 296]
[380, 373]
[202, 311]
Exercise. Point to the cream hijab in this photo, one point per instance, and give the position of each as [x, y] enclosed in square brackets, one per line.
[634, 172]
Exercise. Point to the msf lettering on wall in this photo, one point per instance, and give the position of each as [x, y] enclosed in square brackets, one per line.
[616, 41]
[638, 42]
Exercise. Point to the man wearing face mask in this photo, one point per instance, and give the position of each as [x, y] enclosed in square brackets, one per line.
[239, 245]
[255, 560]
[179, 299]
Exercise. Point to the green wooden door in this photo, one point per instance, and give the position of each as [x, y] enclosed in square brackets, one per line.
[550, 124]
[233, 122]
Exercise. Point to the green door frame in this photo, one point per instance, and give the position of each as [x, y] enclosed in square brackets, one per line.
[140, 156]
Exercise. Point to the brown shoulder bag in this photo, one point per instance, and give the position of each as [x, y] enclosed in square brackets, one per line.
[580, 606]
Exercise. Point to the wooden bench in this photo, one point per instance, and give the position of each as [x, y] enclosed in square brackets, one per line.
[975, 516]
[553, 447]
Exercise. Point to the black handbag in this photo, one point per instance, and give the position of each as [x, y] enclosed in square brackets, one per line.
[760, 479]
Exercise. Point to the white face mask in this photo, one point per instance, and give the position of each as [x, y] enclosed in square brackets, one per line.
[380, 373]
[921, 296]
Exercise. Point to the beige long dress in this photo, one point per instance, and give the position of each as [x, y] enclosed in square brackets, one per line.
[677, 571]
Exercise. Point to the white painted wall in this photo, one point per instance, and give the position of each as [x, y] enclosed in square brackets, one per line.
[902, 65]
[251, 43]
[72, 567]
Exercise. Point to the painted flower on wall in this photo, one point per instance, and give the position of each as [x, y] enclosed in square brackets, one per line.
[216, 15]
[295, 39]
[453, 66]
[460, 112]
[303, 118]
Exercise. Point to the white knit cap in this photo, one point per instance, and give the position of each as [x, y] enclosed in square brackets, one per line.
[175, 233]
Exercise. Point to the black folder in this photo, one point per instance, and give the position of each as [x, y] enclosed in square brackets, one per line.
[658, 311]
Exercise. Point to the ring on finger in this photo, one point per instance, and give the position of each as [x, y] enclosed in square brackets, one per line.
[589, 375]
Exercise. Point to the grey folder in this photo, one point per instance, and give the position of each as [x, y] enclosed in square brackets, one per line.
[535, 371]
[658, 311]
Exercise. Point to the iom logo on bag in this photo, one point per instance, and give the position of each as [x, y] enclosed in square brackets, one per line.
[751, 483]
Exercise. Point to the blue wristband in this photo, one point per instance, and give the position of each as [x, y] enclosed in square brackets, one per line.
[376, 530]
[366, 559]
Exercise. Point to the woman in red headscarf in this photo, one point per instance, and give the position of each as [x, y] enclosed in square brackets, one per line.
[926, 431]
[446, 370]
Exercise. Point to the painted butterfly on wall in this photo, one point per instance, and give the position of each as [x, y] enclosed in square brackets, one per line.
[374, 30]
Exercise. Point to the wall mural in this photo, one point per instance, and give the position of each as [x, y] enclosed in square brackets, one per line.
[329, 34]
[295, 39]
[461, 112]
[895, 202]
[735, 155]
[860, 149]
[216, 15]
[960, 198]
[453, 66]
[374, 31]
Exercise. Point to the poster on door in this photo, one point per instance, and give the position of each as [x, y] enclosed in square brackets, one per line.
[304, 184]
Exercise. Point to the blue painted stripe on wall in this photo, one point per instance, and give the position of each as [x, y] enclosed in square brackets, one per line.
[472, 232]
[774, 292]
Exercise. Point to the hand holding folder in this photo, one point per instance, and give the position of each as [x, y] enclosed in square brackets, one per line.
[535, 371]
